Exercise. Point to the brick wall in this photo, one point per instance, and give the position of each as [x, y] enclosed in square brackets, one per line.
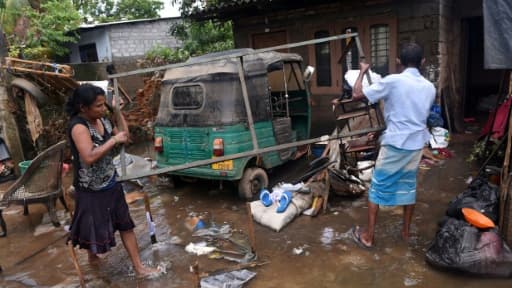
[135, 39]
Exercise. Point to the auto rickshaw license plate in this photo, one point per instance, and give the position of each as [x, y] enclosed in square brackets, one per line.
[224, 165]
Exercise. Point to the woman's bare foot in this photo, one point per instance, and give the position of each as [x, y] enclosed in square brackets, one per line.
[147, 272]
[93, 258]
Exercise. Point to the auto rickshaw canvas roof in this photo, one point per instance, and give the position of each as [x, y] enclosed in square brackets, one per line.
[258, 63]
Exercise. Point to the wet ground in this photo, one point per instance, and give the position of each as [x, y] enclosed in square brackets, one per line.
[329, 258]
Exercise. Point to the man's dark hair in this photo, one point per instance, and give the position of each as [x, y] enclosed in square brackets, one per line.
[411, 55]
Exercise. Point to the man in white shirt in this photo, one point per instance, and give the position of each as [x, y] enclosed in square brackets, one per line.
[407, 99]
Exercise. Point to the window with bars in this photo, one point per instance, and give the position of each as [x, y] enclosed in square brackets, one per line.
[323, 60]
[379, 48]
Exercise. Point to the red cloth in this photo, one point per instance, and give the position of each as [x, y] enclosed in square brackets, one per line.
[499, 125]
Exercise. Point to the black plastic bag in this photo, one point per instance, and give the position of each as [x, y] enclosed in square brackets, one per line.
[481, 196]
[461, 247]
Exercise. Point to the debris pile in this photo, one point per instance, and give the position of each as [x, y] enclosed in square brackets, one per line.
[146, 104]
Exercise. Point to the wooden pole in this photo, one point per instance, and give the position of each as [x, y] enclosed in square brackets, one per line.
[77, 266]
[505, 170]
[250, 227]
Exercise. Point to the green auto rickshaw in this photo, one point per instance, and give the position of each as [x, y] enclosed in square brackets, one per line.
[202, 115]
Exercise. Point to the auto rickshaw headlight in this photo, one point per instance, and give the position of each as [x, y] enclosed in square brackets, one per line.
[218, 147]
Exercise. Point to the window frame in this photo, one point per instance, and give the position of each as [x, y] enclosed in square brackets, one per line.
[335, 74]
[187, 110]
[363, 27]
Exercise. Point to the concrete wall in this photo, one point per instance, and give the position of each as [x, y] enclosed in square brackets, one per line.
[98, 36]
[131, 41]
[125, 44]
[135, 39]
[416, 20]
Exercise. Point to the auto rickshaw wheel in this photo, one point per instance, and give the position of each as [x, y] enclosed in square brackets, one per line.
[252, 181]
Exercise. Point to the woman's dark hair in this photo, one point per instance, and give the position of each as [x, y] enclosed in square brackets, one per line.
[84, 95]
[411, 54]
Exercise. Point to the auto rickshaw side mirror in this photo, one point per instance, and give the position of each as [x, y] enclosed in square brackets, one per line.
[308, 73]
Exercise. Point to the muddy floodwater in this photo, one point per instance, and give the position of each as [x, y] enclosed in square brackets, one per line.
[327, 259]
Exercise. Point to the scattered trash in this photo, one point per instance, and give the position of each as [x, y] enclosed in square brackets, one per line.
[214, 231]
[234, 279]
[194, 223]
[298, 251]
[301, 250]
[248, 257]
[327, 236]
[469, 180]
[439, 137]
[176, 240]
[410, 282]
[176, 198]
[200, 248]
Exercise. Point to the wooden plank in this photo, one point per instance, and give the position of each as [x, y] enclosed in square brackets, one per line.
[34, 119]
[38, 67]
[353, 114]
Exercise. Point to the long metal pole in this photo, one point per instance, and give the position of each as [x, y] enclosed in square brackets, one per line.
[242, 154]
[235, 55]
[248, 110]
[117, 112]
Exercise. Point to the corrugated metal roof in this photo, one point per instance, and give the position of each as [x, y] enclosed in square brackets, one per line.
[97, 25]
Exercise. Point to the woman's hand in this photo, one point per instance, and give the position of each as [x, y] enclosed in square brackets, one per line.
[121, 137]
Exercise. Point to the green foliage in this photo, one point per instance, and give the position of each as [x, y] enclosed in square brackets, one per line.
[159, 56]
[115, 10]
[204, 37]
[49, 29]
[187, 6]
[197, 38]
[482, 150]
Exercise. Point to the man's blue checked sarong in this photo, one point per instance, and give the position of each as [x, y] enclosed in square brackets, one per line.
[394, 176]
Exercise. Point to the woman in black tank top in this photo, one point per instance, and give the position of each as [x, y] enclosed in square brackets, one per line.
[100, 206]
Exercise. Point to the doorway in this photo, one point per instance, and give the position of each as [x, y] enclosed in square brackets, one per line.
[481, 85]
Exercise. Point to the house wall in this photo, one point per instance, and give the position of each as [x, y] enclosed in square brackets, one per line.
[123, 44]
[135, 39]
[412, 21]
[98, 36]
[131, 41]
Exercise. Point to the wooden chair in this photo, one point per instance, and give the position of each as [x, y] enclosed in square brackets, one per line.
[41, 183]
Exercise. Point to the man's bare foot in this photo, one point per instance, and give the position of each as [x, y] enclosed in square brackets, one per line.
[361, 237]
[365, 238]
[146, 272]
